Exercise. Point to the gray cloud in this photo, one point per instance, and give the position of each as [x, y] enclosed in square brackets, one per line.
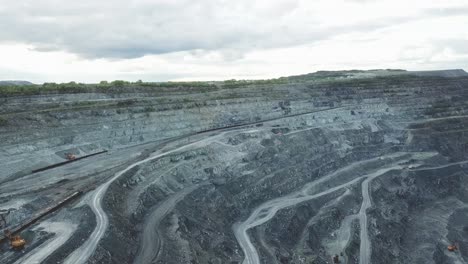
[130, 29]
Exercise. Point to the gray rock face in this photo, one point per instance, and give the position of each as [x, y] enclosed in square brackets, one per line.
[367, 165]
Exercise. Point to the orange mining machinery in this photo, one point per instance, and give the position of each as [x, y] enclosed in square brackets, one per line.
[16, 242]
[452, 248]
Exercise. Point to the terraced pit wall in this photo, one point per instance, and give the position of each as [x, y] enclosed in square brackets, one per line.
[359, 122]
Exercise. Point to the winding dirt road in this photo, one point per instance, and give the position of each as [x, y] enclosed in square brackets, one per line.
[63, 232]
[82, 254]
[365, 248]
[267, 211]
[151, 244]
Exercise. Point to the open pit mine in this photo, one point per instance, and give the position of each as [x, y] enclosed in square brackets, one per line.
[365, 167]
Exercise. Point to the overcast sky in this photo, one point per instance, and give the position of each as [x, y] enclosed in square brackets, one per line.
[158, 40]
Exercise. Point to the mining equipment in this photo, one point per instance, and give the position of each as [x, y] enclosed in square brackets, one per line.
[16, 241]
[70, 156]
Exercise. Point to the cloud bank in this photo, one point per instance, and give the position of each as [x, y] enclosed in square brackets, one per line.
[89, 40]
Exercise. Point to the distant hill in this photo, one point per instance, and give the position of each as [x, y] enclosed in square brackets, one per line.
[441, 73]
[15, 82]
